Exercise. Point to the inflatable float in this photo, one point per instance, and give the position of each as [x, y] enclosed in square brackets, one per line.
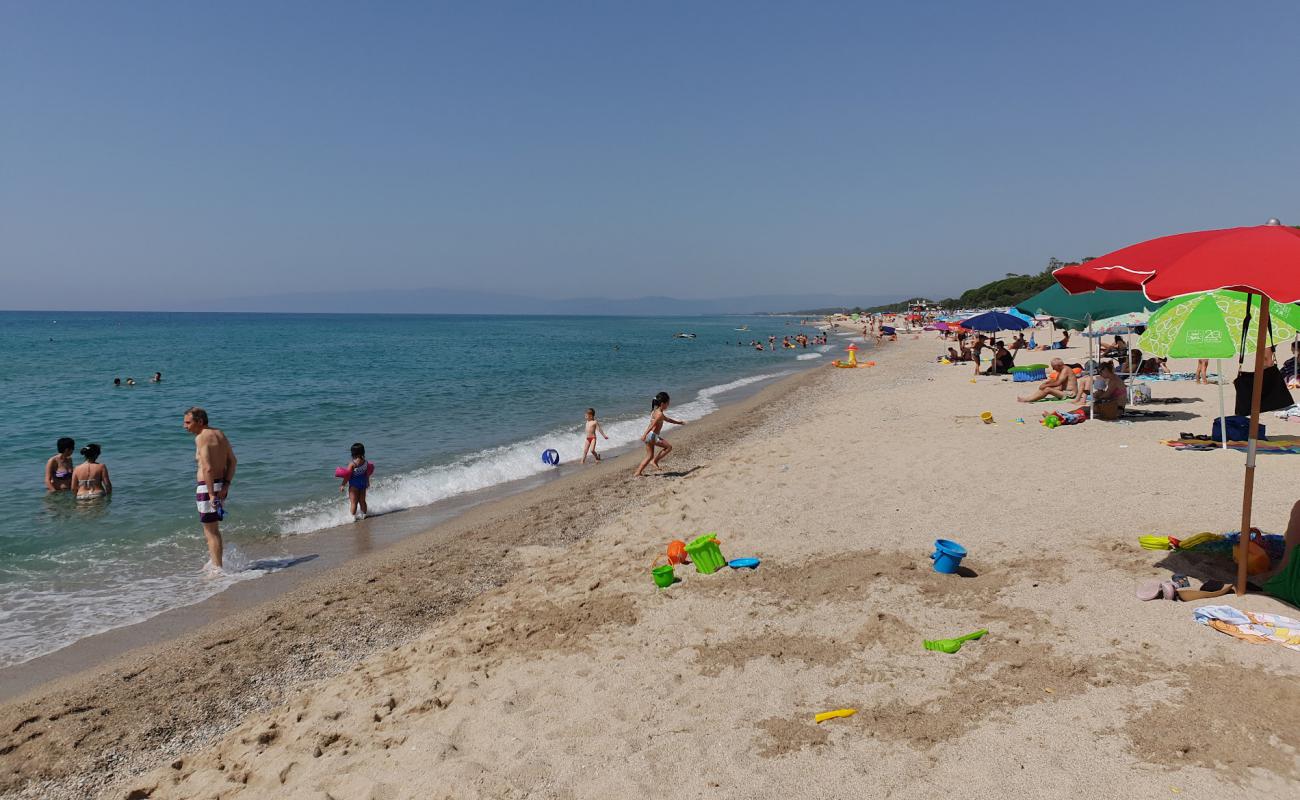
[346, 472]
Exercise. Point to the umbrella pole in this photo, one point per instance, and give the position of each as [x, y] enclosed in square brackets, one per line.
[1092, 373]
[1223, 423]
[1248, 492]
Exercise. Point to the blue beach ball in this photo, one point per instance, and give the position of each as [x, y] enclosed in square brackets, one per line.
[551, 457]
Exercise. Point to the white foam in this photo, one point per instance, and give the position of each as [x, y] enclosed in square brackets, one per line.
[38, 621]
[807, 356]
[491, 467]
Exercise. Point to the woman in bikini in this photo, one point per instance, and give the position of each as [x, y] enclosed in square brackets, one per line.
[90, 478]
[652, 436]
[58, 470]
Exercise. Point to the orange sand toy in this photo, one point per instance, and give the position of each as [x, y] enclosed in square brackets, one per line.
[677, 552]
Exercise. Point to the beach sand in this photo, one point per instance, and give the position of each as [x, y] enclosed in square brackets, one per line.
[523, 651]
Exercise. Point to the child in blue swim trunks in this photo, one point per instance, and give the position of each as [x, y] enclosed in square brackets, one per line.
[358, 481]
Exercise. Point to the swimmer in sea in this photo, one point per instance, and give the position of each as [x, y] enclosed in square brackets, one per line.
[216, 469]
[58, 470]
[592, 428]
[157, 378]
[653, 437]
[90, 477]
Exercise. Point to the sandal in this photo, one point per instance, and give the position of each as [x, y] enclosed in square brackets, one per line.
[1208, 589]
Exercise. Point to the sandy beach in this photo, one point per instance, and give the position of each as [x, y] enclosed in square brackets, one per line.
[521, 650]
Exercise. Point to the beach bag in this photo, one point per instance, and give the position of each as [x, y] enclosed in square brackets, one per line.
[1238, 429]
[1273, 393]
[1141, 394]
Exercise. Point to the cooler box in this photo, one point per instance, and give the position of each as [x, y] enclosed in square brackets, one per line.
[1029, 372]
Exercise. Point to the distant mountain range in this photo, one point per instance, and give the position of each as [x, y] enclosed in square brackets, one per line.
[446, 301]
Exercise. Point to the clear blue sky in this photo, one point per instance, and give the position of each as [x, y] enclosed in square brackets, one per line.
[153, 150]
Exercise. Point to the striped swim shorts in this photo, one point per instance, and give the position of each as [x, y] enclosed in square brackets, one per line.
[208, 506]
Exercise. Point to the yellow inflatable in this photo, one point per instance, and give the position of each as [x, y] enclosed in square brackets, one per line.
[853, 359]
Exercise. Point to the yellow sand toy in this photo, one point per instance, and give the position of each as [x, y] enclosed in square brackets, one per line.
[836, 714]
[853, 359]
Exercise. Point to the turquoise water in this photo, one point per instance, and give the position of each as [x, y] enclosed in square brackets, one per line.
[444, 405]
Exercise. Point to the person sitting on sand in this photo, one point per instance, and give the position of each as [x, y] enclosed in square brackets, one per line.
[1133, 364]
[1106, 386]
[1003, 361]
[1064, 385]
[1019, 342]
[954, 356]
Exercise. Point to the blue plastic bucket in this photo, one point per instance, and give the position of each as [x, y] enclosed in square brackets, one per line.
[947, 556]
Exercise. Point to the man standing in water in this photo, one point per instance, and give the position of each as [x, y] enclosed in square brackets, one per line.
[216, 468]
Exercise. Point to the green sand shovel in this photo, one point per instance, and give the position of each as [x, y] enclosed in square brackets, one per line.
[952, 645]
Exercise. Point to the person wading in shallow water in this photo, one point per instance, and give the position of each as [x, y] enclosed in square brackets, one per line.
[216, 469]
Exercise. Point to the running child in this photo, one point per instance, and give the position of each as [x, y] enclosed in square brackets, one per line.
[593, 428]
[358, 481]
[653, 437]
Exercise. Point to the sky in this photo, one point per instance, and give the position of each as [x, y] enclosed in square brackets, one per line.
[157, 154]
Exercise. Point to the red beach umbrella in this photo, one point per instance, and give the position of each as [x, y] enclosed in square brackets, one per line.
[1260, 259]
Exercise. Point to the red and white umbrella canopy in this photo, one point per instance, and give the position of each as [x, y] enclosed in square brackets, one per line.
[1261, 259]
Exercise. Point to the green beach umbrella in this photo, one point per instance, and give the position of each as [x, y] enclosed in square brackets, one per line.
[1208, 325]
[1074, 311]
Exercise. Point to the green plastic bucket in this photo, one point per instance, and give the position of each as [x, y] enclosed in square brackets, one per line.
[663, 576]
[705, 554]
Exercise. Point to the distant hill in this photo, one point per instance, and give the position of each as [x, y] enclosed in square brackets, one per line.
[448, 301]
[1007, 291]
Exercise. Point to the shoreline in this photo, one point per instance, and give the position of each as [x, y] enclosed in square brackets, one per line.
[290, 636]
[326, 548]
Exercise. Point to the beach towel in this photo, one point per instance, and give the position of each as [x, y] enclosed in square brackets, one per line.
[1173, 376]
[1251, 626]
[1277, 445]
[1288, 413]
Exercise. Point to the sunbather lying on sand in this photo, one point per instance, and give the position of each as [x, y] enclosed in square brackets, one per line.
[1064, 385]
[1061, 345]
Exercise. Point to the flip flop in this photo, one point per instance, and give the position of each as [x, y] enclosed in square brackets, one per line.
[1208, 589]
[1148, 590]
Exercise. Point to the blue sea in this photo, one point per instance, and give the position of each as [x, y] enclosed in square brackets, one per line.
[444, 405]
